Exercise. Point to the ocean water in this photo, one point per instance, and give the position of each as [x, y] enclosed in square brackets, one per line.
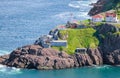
[23, 21]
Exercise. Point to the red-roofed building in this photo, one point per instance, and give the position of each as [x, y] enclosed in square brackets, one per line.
[97, 18]
[61, 27]
[111, 17]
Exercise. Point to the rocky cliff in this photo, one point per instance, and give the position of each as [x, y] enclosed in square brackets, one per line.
[97, 8]
[36, 57]
[110, 43]
[104, 5]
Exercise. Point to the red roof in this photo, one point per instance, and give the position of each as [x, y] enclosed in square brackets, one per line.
[61, 27]
[111, 14]
[97, 16]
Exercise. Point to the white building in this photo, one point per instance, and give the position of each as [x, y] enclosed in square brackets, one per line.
[111, 17]
[97, 18]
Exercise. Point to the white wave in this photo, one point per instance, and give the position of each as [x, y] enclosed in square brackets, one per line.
[94, 1]
[3, 52]
[63, 15]
[81, 4]
[9, 70]
[103, 67]
[82, 13]
[73, 5]
[66, 16]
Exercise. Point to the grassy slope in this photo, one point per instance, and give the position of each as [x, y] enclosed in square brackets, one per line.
[118, 10]
[80, 38]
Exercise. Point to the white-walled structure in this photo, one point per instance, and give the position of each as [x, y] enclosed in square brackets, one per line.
[111, 17]
[97, 18]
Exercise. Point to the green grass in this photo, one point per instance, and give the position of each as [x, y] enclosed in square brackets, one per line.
[117, 25]
[98, 23]
[118, 14]
[116, 33]
[79, 38]
[85, 22]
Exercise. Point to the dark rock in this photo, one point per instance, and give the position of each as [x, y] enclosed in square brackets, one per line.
[91, 57]
[36, 57]
[96, 56]
[83, 59]
[3, 58]
[110, 44]
[98, 8]
[112, 58]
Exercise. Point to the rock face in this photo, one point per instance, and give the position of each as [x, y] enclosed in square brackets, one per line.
[111, 49]
[99, 6]
[36, 57]
[96, 56]
[91, 57]
[3, 58]
[110, 43]
[112, 58]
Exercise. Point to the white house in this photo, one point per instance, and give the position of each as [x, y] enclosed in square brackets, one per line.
[97, 18]
[111, 17]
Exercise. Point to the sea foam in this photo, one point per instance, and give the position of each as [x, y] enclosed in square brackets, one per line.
[79, 4]
[103, 67]
[9, 70]
[3, 52]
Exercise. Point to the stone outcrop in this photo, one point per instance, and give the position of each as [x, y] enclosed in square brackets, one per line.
[110, 43]
[36, 57]
[111, 50]
[96, 56]
[83, 59]
[97, 8]
[112, 58]
[91, 57]
[3, 58]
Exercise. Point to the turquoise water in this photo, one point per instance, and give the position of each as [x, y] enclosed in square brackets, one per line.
[23, 21]
[85, 72]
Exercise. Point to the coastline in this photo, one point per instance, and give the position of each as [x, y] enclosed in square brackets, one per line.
[36, 56]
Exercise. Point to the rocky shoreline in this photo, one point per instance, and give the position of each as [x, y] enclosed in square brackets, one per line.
[36, 57]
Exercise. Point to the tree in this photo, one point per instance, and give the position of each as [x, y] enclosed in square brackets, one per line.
[61, 49]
